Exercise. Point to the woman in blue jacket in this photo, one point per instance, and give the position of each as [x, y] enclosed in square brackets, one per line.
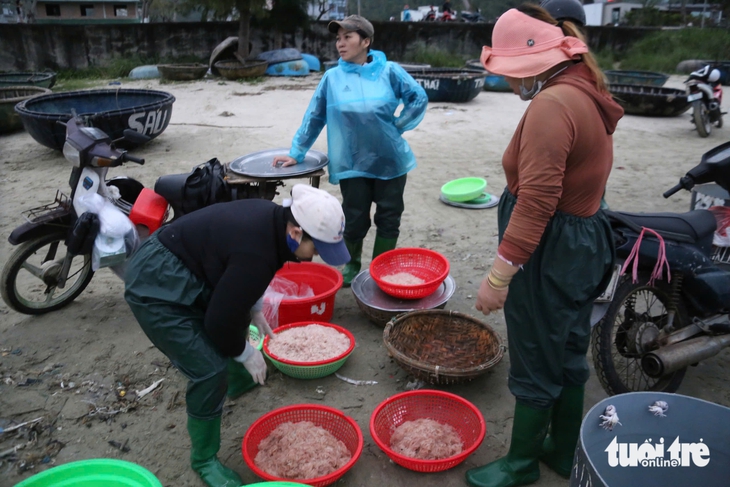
[368, 156]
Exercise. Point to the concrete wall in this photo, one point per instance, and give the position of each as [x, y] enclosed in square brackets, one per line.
[26, 47]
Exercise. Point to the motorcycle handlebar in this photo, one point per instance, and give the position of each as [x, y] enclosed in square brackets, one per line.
[126, 157]
[669, 193]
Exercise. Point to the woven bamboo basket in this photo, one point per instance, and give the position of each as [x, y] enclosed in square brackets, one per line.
[442, 347]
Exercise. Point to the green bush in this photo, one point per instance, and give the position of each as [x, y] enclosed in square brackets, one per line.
[437, 57]
[662, 51]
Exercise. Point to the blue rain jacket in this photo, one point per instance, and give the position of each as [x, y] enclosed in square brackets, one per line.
[358, 103]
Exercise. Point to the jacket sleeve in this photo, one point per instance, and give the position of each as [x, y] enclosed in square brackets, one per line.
[314, 121]
[229, 310]
[413, 95]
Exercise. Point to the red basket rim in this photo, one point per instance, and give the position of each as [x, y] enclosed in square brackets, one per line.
[294, 407]
[331, 271]
[418, 461]
[310, 364]
[405, 250]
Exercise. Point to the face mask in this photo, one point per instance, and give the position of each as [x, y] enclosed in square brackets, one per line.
[526, 94]
[292, 244]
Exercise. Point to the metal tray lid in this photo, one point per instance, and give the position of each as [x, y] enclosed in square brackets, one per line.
[258, 164]
[367, 291]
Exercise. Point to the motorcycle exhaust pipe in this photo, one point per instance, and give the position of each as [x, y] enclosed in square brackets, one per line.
[683, 354]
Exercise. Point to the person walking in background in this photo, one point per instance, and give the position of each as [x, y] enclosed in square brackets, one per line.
[556, 251]
[196, 284]
[406, 15]
[368, 156]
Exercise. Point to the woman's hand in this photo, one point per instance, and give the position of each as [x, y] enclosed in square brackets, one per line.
[285, 160]
[490, 299]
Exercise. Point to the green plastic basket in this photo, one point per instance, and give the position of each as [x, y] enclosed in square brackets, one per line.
[300, 371]
[253, 335]
[102, 472]
[464, 189]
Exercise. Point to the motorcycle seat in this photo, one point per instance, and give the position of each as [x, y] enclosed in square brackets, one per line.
[693, 226]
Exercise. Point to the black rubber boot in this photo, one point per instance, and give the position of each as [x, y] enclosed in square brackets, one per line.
[352, 268]
[520, 466]
[559, 445]
[383, 245]
[205, 439]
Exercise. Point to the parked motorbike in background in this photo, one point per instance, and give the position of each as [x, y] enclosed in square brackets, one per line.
[52, 264]
[704, 92]
[471, 16]
[653, 322]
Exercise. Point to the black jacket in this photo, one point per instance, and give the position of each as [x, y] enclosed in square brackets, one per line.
[236, 248]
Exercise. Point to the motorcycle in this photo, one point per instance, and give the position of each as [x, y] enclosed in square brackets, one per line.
[43, 274]
[704, 92]
[649, 326]
[472, 16]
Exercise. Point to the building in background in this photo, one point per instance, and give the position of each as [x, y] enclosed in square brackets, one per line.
[90, 12]
[607, 12]
[335, 9]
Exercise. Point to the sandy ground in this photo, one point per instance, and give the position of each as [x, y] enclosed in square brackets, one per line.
[96, 343]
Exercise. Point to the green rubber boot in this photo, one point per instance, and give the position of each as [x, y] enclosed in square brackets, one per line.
[520, 466]
[239, 380]
[559, 445]
[205, 439]
[383, 245]
[352, 268]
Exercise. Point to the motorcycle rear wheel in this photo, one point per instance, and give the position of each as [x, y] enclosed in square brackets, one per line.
[29, 282]
[701, 117]
[636, 312]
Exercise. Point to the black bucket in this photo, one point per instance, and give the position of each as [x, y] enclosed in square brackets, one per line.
[113, 111]
[690, 445]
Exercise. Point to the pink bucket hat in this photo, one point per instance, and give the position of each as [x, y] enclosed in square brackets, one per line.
[523, 46]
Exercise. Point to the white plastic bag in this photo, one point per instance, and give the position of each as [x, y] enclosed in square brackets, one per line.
[278, 290]
[117, 238]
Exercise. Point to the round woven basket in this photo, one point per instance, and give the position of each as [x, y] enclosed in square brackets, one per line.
[442, 347]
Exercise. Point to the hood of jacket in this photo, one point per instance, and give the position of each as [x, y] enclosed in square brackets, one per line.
[369, 70]
[582, 78]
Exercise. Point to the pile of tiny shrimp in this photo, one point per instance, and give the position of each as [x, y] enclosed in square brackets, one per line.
[311, 343]
[301, 451]
[426, 439]
[403, 279]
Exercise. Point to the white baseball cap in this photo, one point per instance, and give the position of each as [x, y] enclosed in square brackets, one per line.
[320, 215]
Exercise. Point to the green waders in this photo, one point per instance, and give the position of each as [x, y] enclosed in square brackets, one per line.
[358, 195]
[169, 302]
[548, 312]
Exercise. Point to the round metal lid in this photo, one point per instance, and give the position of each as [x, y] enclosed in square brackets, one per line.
[258, 164]
[366, 290]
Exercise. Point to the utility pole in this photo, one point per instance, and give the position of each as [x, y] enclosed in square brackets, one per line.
[358, 7]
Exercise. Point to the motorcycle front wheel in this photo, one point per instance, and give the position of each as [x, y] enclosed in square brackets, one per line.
[701, 117]
[30, 277]
[634, 318]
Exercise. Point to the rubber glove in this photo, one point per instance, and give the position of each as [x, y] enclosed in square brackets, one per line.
[259, 321]
[253, 360]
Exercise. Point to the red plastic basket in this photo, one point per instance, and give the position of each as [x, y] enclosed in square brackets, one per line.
[324, 280]
[425, 264]
[342, 427]
[444, 407]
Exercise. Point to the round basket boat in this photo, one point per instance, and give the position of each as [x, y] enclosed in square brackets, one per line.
[492, 82]
[650, 101]
[234, 70]
[647, 78]
[442, 347]
[113, 111]
[11, 96]
[449, 84]
[43, 80]
[182, 72]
